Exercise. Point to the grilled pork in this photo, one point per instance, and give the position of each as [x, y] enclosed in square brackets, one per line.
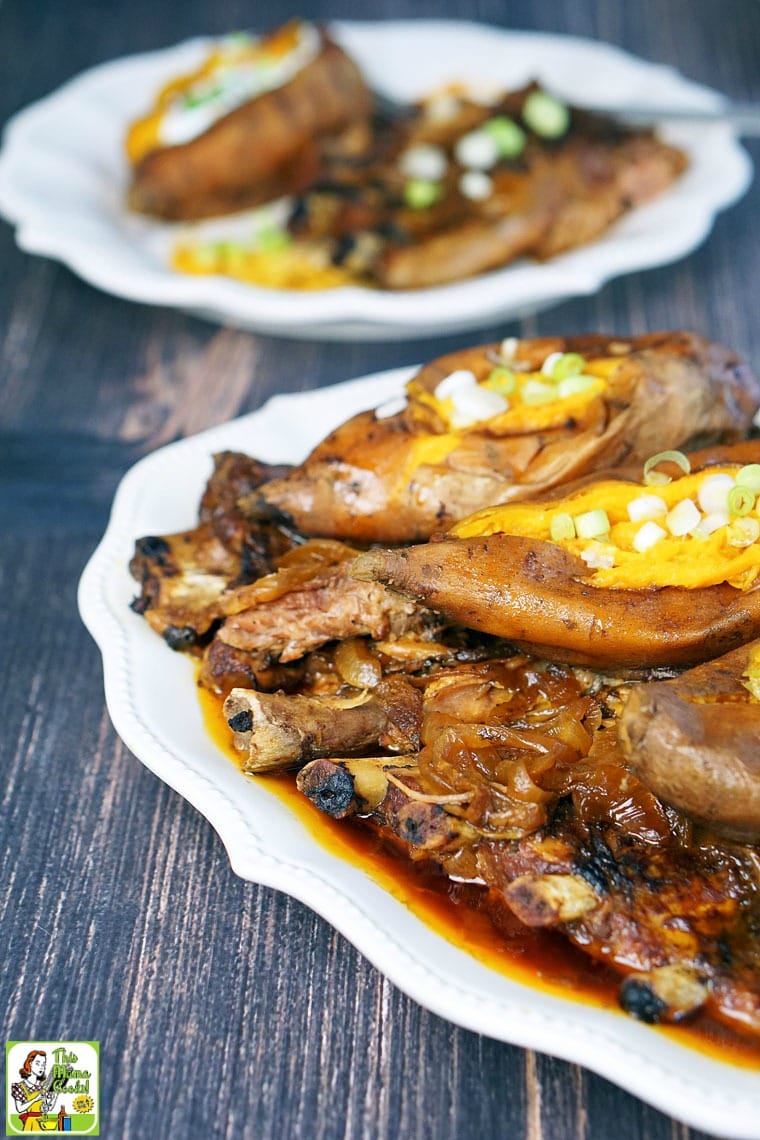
[539, 197]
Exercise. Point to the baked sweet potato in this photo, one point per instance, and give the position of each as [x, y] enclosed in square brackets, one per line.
[695, 741]
[267, 147]
[401, 477]
[542, 596]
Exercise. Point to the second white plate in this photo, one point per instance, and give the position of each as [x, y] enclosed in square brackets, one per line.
[63, 178]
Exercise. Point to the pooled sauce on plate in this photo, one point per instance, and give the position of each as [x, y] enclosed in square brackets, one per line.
[543, 960]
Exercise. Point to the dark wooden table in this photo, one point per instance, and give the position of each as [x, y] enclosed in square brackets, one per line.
[225, 1009]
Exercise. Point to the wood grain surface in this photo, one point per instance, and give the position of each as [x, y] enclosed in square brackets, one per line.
[225, 1009]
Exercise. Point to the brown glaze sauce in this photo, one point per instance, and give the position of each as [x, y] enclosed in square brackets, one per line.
[543, 960]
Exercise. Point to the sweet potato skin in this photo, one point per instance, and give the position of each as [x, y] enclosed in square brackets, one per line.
[695, 742]
[360, 483]
[258, 152]
[537, 596]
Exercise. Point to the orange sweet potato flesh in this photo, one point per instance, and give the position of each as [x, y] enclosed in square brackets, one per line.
[258, 152]
[695, 741]
[670, 390]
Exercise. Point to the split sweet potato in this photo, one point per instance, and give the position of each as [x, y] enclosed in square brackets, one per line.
[263, 149]
[540, 596]
[381, 479]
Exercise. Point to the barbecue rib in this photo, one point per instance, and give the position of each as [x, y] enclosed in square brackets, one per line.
[184, 577]
[533, 800]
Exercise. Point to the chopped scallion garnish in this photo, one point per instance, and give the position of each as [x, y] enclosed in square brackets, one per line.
[743, 532]
[569, 364]
[562, 527]
[592, 524]
[574, 385]
[502, 380]
[545, 115]
[740, 500]
[271, 239]
[749, 477]
[534, 392]
[654, 478]
[419, 194]
[509, 137]
[200, 98]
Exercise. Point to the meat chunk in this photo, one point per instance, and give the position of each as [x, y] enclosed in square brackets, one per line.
[277, 732]
[183, 577]
[329, 605]
[611, 868]
[555, 196]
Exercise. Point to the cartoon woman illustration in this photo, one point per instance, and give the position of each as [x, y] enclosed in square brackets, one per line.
[32, 1095]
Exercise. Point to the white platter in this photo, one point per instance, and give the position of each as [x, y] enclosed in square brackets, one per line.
[151, 696]
[63, 179]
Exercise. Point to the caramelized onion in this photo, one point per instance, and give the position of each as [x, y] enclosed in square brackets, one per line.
[295, 568]
[357, 665]
[500, 741]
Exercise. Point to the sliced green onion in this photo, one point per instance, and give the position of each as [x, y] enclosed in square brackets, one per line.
[646, 507]
[562, 527]
[592, 524]
[228, 249]
[574, 385]
[569, 364]
[547, 368]
[599, 556]
[654, 478]
[200, 98]
[206, 254]
[508, 349]
[419, 194]
[510, 138]
[740, 500]
[749, 477]
[237, 39]
[545, 115]
[534, 392]
[743, 532]
[502, 380]
[270, 239]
